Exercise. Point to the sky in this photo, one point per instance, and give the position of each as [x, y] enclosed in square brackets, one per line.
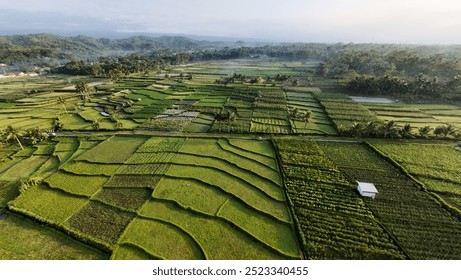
[356, 21]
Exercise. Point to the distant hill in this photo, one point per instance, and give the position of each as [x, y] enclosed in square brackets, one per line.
[49, 50]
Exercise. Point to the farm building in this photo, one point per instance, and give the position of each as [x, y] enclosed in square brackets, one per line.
[367, 189]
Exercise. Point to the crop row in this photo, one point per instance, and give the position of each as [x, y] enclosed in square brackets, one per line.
[116, 149]
[414, 217]
[334, 221]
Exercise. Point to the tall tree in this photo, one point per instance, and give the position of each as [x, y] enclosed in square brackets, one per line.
[424, 131]
[12, 133]
[307, 118]
[62, 101]
[84, 90]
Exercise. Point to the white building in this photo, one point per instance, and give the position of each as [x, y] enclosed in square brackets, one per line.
[367, 189]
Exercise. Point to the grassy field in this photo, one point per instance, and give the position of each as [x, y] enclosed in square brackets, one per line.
[235, 163]
[418, 222]
[435, 165]
[334, 221]
[106, 190]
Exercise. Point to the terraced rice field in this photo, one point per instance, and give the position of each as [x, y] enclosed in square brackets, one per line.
[434, 165]
[422, 227]
[168, 189]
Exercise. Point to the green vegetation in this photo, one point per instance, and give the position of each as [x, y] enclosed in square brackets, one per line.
[153, 158]
[334, 222]
[420, 225]
[434, 165]
[23, 239]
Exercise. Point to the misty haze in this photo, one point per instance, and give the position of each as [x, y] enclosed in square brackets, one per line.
[230, 130]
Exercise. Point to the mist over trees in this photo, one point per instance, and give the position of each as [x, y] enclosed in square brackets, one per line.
[408, 72]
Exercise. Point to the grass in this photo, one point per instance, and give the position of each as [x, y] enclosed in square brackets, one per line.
[420, 224]
[258, 180]
[24, 239]
[211, 148]
[8, 191]
[196, 127]
[258, 147]
[42, 202]
[144, 169]
[127, 251]
[23, 169]
[101, 221]
[67, 144]
[162, 240]
[76, 184]
[435, 165]
[244, 191]
[218, 239]
[269, 231]
[191, 194]
[124, 198]
[270, 162]
[87, 168]
[132, 181]
[116, 149]
[44, 149]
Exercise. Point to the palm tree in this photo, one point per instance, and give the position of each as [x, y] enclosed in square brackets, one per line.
[451, 129]
[84, 90]
[118, 124]
[405, 131]
[96, 125]
[57, 124]
[307, 118]
[389, 129]
[371, 128]
[424, 131]
[357, 129]
[293, 113]
[12, 133]
[439, 130]
[35, 135]
[230, 116]
[445, 130]
[62, 101]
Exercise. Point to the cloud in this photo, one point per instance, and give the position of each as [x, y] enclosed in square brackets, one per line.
[407, 21]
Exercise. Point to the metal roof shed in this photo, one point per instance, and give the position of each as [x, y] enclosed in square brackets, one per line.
[367, 189]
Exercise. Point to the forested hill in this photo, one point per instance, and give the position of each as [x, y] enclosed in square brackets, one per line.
[53, 49]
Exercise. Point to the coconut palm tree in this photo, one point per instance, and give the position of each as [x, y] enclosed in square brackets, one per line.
[307, 118]
[424, 131]
[62, 101]
[405, 131]
[84, 90]
[57, 124]
[293, 113]
[230, 116]
[12, 133]
[96, 125]
[445, 130]
[390, 129]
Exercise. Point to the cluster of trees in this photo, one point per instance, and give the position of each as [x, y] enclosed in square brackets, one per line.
[391, 130]
[114, 68]
[239, 78]
[392, 61]
[296, 115]
[420, 85]
[28, 137]
[402, 73]
[225, 116]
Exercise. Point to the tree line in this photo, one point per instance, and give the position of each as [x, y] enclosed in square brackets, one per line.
[403, 74]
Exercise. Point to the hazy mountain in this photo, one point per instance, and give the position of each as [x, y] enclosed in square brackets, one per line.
[48, 49]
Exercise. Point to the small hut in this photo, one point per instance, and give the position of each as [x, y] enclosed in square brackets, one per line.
[367, 189]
